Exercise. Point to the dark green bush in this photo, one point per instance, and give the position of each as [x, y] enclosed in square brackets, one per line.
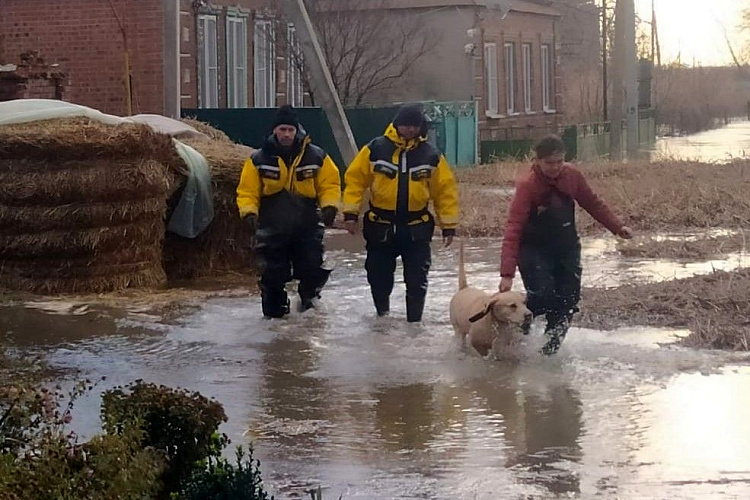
[183, 425]
[221, 480]
[41, 460]
[160, 443]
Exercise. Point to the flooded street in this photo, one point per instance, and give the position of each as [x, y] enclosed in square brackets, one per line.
[717, 145]
[375, 408]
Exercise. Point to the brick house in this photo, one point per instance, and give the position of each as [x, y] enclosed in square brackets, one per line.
[503, 54]
[232, 53]
[181, 53]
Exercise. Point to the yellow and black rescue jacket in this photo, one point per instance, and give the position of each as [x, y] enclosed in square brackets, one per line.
[403, 176]
[312, 174]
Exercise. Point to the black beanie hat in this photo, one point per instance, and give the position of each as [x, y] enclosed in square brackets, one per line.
[286, 115]
[409, 114]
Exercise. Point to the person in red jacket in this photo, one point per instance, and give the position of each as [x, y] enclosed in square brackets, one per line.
[542, 241]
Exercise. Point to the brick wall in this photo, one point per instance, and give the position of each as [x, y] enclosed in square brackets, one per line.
[84, 38]
[520, 28]
[33, 78]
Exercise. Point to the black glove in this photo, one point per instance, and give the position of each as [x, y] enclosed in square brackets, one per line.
[328, 214]
[251, 220]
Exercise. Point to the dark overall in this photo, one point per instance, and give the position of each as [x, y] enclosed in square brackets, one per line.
[289, 240]
[550, 265]
[390, 234]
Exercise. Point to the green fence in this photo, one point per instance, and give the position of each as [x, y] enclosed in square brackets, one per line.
[582, 142]
[452, 126]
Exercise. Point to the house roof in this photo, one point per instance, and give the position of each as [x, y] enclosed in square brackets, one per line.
[515, 5]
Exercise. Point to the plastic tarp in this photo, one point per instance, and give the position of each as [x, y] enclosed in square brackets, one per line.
[194, 211]
[32, 110]
[168, 126]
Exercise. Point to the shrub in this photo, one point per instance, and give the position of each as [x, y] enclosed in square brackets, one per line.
[221, 480]
[40, 459]
[181, 424]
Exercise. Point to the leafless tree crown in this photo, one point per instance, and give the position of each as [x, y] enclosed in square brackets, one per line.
[368, 47]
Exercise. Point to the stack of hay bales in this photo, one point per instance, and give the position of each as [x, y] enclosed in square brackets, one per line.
[226, 245]
[83, 205]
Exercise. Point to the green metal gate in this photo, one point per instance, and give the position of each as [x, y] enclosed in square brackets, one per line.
[453, 127]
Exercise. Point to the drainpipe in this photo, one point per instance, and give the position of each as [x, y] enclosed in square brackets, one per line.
[171, 57]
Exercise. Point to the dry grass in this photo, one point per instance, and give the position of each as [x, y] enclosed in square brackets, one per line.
[663, 196]
[679, 248]
[147, 276]
[714, 307]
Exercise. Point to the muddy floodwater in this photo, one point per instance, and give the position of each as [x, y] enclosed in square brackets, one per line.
[717, 145]
[375, 408]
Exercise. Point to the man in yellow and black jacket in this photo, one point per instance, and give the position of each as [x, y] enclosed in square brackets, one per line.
[403, 173]
[288, 190]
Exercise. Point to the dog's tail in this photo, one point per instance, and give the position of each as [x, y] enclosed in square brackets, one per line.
[461, 271]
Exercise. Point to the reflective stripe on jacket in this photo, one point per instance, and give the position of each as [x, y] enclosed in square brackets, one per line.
[312, 174]
[387, 159]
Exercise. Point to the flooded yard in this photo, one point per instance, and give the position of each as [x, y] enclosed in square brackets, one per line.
[377, 408]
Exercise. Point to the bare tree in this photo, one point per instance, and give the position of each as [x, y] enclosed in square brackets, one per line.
[368, 44]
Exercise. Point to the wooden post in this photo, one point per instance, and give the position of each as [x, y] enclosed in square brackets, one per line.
[320, 78]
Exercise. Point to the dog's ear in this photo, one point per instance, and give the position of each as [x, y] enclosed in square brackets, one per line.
[484, 312]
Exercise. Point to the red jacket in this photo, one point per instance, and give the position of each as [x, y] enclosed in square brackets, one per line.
[533, 190]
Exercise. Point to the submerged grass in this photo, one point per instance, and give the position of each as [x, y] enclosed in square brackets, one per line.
[714, 307]
[683, 248]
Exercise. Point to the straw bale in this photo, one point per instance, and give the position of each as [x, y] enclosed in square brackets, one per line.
[122, 255]
[76, 242]
[224, 158]
[83, 205]
[150, 276]
[16, 220]
[83, 139]
[226, 244]
[213, 133]
[99, 180]
[103, 269]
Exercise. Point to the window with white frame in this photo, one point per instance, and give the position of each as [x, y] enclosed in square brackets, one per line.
[546, 77]
[490, 77]
[208, 62]
[528, 78]
[264, 64]
[236, 61]
[294, 90]
[510, 77]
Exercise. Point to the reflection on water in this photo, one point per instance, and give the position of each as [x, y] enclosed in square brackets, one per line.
[718, 145]
[376, 408]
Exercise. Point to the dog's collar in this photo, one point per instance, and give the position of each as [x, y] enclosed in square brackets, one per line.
[478, 316]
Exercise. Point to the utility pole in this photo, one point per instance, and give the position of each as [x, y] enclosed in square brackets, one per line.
[605, 56]
[631, 77]
[624, 79]
[320, 78]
